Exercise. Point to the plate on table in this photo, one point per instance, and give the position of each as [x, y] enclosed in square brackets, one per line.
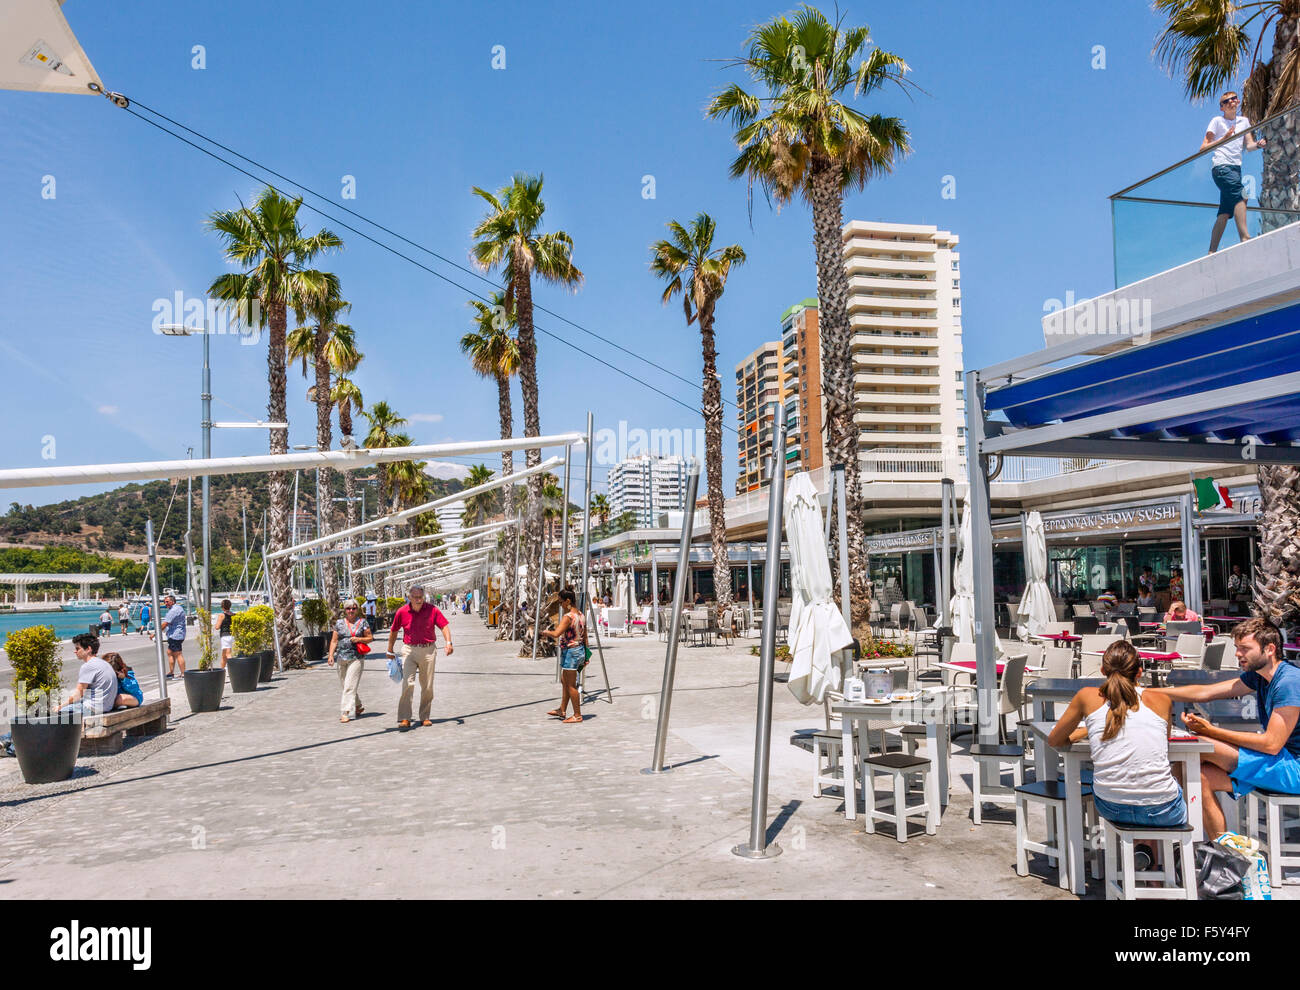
[905, 696]
[877, 701]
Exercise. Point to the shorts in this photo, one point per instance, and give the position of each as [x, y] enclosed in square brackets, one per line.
[106, 627]
[1169, 813]
[1228, 179]
[227, 642]
[574, 658]
[1280, 772]
[174, 645]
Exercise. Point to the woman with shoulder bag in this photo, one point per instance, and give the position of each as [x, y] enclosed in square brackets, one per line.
[571, 639]
[350, 640]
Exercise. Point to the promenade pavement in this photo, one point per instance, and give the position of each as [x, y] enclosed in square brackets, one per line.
[274, 797]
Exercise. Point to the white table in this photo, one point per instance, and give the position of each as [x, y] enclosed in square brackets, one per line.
[934, 712]
[1077, 754]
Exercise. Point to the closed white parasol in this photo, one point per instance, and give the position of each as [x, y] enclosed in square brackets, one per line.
[817, 628]
[1036, 609]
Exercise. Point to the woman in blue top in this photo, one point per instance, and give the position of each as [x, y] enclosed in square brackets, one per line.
[129, 693]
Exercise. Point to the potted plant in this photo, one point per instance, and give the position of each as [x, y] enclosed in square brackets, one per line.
[316, 616]
[203, 687]
[261, 619]
[391, 605]
[245, 666]
[45, 742]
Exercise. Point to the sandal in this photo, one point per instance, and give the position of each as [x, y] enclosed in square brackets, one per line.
[572, 718]
[360, 710]
[555, 713]
[344, 718]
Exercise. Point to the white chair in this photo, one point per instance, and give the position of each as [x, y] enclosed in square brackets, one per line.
[1051, 795]
[1190, 646]
[1121, 877]
[1098, 642]
[642, 621]
[1081, 610]
[900, 767]
[1280, 852]
[1058, 662]
[615, 621]
[1089, 666]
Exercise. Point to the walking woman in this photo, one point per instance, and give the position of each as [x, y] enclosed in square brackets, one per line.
[350, 631]
[571, 639]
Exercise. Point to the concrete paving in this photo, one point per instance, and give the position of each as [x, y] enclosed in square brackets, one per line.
[274, 797]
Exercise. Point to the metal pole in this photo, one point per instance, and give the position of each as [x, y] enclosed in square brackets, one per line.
[757, 847]
[207, 491]
[586, 521]
[981, 553]
[674, 629]
[749, 576]
[842, 517]
[295, 528]
[564, 522]
[945, 594]
[157, 622]
[654, 588]
[189, 528]
[537, 608]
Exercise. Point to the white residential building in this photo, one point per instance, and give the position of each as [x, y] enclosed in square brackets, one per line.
[647, 485]
[905, 315]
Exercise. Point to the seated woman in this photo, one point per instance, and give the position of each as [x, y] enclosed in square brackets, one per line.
[1128, 733]
[1179, 612]
[129, 693]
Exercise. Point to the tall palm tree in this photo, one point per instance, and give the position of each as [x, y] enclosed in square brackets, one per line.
[311, 343]
[346, 396]
[267, 244]
[600, 508]
[508, 237]
[478, 507]
[494, 353]
[695, 269]
[383, 433]
[1206, 43]
[803, 138]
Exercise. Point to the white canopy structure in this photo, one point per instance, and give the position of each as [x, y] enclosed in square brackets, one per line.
[39, 52]
[22, 581]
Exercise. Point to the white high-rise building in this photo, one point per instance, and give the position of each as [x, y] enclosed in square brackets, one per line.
[905, 316]
[449, 516]
[647, 485]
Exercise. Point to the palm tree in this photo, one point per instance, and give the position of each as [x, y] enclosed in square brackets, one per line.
[267, 244]
[345, 395]
[313, 343]
[383, 433]
[1206, 41]
[692, 267]
[494, 353]
[478, 507]
[803, 139]
[600, 508]
[508, 238]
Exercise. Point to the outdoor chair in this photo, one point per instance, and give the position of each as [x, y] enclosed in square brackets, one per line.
[1011, 690]
[724, 627]
[1281, 853]
[1173, 629]
[1212, 658]
[1058, 662]
[899, 767]
[1089, 666]
[997, 755]
[1121, 877]
[1082, 610]
[615, 621]
[1050, 794]
[642, 621]
[1191, 646]
[1085, 625]
[828, 767]
[1146, 614]
[1098, 643]
[895, 617]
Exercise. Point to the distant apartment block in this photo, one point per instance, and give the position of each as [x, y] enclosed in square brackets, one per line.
[760, 389]
[647, 485]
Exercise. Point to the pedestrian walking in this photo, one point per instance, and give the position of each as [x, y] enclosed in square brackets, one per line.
[223, 629]
[124, 617]
[1226, 162]
[419, 621]
[571, 639]
[173, 627]
[348, 632]
[105, 624]
[145, 625]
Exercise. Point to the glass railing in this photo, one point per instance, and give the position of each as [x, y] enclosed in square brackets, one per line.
[1168, 219]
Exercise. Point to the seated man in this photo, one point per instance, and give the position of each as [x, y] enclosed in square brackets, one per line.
[1243, 761]
[96, 690]
[1179, 612]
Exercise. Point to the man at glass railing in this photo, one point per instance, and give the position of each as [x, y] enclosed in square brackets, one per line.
[1226, 162]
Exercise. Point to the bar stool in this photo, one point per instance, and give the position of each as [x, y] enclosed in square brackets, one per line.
[1280, 852]
[1051, 794]
[1121, 878]
[999, 756]
[828, 768]
[900, 767]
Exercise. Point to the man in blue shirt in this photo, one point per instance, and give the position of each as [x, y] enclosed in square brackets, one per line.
[1243, 761]
[173, 626]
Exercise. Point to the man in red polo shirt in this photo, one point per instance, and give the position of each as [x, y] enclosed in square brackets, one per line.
[419, 622]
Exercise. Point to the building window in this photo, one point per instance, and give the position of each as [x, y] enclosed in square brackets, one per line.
[956, 283]
[958, 374]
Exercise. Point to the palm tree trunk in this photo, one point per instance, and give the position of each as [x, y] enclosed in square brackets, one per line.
[324, 438]
[279, 571]
[1278, 180]
[509, 567]
[350, 493]
[532, 418]
[713, 461]
[1277, 577]
[837, 374]
[381, 580]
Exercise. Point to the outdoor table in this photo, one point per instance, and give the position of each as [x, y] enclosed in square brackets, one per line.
[1058, 637]
[1182, 749]
[934, 713]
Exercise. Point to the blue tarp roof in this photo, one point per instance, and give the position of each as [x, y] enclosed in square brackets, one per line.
[1237, 353]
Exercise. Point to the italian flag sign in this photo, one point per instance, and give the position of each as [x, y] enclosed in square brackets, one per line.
[1210, 494]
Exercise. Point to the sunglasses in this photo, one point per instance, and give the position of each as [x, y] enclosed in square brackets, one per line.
[1232, 99]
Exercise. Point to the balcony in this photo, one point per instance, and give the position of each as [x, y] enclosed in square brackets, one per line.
[1165, 220]
[920, 289]
[884, 267]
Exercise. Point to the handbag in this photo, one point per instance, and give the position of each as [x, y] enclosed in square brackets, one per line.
[361, 648]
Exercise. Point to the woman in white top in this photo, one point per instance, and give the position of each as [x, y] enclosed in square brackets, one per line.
[1128, 732]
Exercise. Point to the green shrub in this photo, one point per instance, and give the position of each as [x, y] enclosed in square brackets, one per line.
[37, 661]
[316, 615]
[247, 630]
[782, 652]
[260, 620]
[392, 604]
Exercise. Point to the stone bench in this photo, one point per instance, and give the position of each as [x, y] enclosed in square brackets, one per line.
[106, 734]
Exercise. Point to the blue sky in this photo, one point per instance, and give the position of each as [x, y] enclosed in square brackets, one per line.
[404, 98]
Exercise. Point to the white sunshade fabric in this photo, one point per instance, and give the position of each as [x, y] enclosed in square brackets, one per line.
[1036, 609]
[962, 607]
[39, 52]
[817, 628]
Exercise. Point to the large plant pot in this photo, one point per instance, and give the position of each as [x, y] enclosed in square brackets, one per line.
[268, 666]
[203, 688]
[244, 673]
[314, 647]
[47, 748]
